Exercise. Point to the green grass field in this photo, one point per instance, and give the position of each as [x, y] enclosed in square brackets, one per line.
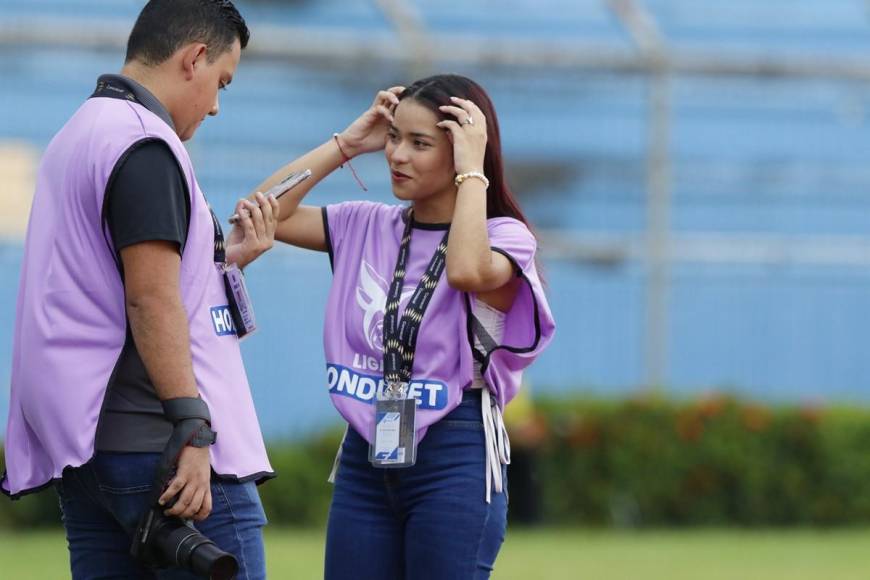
[555, 554]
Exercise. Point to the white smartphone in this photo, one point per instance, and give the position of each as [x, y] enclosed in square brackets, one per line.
[282, 187]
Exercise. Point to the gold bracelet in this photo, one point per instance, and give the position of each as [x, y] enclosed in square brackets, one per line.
[476, 174]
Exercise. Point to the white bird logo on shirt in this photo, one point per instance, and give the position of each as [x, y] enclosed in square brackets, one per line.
[371, 295]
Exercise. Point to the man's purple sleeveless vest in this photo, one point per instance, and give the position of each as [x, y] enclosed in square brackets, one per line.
[71, 324]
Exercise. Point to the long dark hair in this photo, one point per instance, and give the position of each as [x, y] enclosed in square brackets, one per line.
[435, 91]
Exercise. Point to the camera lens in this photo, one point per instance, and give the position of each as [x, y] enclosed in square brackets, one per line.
[185, 547]
[218, 564]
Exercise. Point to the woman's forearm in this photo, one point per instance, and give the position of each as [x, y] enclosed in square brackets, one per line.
[322, 161]
[469, 255]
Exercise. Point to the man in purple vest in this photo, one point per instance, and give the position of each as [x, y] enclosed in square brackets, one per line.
[125, 347]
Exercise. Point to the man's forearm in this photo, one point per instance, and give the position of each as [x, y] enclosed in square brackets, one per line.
[160, 330]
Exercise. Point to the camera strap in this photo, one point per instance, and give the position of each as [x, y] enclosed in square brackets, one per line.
[188, 413]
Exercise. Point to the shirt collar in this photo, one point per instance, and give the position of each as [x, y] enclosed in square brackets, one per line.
[121, 87]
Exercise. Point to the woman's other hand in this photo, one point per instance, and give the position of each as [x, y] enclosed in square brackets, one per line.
[369, 132]
[468, 134]
[254, 232]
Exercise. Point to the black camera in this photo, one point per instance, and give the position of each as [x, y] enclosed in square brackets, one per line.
[162, 541]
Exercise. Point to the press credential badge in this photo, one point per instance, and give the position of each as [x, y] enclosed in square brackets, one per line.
[395, 436]
[241, 308]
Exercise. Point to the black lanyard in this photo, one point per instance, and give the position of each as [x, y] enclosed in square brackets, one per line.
[220, 253]
[400, 336]
[113, 90]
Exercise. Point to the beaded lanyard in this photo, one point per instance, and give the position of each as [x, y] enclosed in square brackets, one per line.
[400, 336]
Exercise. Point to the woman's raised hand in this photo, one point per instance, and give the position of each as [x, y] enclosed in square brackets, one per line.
[468, 134]
[369, 132]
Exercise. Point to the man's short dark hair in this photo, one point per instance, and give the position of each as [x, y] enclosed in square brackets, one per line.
[164, 26]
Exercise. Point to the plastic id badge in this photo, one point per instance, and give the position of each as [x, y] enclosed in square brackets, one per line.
[241, 308]
[395, 439]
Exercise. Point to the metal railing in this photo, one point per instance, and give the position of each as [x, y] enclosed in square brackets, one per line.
[411, 45]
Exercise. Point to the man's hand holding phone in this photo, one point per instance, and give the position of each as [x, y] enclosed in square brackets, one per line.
[254, 231]
[254, 222]
[279, 189]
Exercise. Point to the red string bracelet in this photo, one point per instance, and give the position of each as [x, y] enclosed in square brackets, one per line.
[346, 160]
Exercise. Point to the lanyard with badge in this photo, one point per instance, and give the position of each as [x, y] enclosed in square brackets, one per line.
[240, 306]
[394, 443]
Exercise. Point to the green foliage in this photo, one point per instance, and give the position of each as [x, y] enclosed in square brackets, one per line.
[35, 510]
[300, 494]
[718, 460]
[640, 462]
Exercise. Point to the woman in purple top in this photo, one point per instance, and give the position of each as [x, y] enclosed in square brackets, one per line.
[435, 309]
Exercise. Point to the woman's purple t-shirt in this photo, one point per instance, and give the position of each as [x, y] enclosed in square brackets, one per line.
[363, 240]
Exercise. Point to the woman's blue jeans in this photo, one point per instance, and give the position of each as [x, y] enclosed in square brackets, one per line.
[429, 521]
[102, 501]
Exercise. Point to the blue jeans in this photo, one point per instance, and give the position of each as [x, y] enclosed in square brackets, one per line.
[102, 501]
[429, 521]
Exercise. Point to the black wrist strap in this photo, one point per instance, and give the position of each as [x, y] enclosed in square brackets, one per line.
[191, 422]
[182, 408]
[199, 433]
